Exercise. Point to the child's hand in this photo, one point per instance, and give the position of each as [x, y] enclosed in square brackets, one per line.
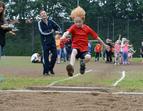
[12, 33]
[5, 26]
[62, 38]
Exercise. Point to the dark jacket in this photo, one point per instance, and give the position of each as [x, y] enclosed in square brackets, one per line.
[47, 31]
[2, 33]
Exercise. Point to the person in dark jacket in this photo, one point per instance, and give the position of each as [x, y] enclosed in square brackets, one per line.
[3, 28]
[47, 28]
[109, 52]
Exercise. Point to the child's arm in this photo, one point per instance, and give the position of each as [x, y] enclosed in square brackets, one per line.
[101, 41]
[70, 30]
[95, 36]
[65, 35]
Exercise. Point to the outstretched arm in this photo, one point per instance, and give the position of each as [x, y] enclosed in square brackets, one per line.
[101, 41]
[95, 36]
[65, 35]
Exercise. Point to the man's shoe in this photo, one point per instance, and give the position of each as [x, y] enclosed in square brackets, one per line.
[82, 67]
[70, 70]
[46, 74]
[52, 72]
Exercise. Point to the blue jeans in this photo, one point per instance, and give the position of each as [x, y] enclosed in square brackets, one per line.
[125, 57]
[63, 53]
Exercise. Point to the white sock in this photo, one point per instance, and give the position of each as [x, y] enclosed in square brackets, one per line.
[73, 55]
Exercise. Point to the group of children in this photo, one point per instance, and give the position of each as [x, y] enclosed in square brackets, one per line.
[123, 51]
[120, 50]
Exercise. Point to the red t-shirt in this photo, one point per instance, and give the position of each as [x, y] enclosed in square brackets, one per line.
[62, 43]
[80, 36]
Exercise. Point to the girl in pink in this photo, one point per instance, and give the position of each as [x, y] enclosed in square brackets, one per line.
[125, 49]
[117, 49]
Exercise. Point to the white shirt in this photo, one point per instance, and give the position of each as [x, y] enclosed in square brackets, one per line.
[35, 57]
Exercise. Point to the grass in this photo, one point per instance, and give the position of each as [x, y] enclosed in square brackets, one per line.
[24, 82]
[90, 79]
[132, 82]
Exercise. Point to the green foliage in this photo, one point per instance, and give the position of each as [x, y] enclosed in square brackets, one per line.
[100, 15]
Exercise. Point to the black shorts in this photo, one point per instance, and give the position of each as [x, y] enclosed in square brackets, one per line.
[81, 55]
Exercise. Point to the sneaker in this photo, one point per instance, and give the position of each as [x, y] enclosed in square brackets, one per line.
[70, 70]
[82, 67]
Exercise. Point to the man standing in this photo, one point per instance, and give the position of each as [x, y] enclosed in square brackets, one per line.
[47, 28]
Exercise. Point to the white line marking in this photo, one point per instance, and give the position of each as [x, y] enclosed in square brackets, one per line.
[55, 82]
[77, 87]
[128, 93]
[123, 76]
[72, 92]
[49, 91]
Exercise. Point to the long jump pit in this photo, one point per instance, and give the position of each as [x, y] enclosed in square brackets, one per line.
[70, 98]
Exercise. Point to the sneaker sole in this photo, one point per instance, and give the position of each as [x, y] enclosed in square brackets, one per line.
[70, 70]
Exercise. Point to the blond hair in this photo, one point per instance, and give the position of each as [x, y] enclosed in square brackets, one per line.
[78, 12]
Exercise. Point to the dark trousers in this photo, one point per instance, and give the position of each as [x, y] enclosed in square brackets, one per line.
[49, 57]
[97, 56]
[108, 56]
[69, 50]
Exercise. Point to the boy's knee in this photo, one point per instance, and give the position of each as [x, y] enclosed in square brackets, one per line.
[74, 52]
[87, 57]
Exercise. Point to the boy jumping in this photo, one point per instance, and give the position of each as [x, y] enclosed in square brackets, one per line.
[79, 32]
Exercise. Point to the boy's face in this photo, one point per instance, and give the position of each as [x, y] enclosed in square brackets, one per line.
[43, 15]
[78, 21]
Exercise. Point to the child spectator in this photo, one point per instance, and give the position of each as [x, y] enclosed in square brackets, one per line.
[57, 39]
[36, 58]
[109, 52]
[97, 50]
[68, 47]
[63, 50]
[125, 49]
[117, 54]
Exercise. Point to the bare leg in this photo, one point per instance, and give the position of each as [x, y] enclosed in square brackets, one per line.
[73, 55]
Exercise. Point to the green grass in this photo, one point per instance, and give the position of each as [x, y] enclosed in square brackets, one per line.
[132, 82]
[15, 61]
[89, 79]
[136, 60]
[24, 82]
